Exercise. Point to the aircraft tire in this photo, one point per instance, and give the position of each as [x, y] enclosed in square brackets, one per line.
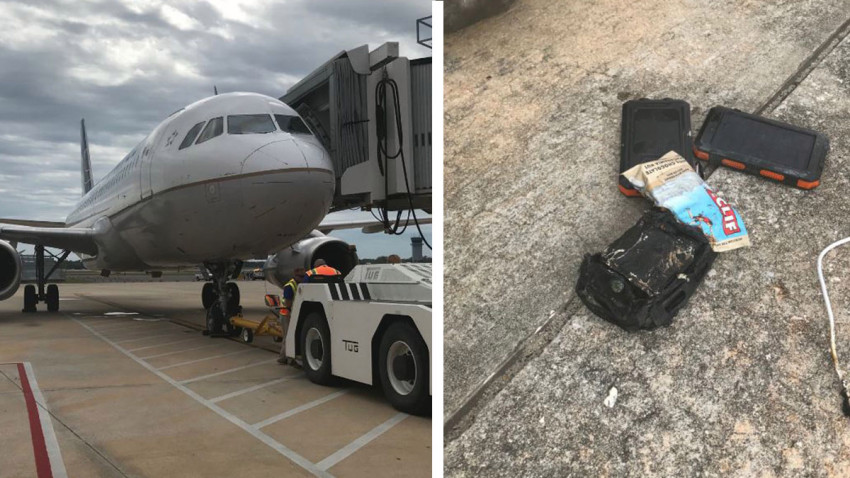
[215, 319]
[29, 299]
[233, 288]
[403, 368]
[208, 295]
[52, 298]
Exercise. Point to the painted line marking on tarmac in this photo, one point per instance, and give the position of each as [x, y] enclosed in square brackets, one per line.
[161, 345]
[203, 359]
[48, 456]
[252, 389]
[112, 325]
[142, 338]
[216, 374]
[271, 442]
[147, 357]
[360, 442]
[298, 410]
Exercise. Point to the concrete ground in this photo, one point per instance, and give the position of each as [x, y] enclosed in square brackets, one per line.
[147, 395]
[741, 383]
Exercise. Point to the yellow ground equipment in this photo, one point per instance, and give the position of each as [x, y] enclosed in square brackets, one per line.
[270, 324]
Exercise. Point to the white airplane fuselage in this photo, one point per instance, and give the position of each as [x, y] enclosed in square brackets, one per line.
[229, 197]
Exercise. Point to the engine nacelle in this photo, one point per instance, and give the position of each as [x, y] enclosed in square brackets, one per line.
[335, 252]
[10, 270]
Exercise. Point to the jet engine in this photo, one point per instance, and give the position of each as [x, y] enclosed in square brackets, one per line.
[10, 270]
[335, 252]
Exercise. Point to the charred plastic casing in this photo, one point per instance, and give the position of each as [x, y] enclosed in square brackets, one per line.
[643, 278]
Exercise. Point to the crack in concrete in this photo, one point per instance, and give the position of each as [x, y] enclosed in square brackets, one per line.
[530, 348]
[805, 68]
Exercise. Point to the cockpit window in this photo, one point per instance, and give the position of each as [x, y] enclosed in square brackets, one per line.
[191, 135]
[214, 128]
[249, 124]
[292, 124]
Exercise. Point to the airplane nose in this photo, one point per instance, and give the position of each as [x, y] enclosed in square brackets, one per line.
[280, 154]
[315, 155]
[285, 171]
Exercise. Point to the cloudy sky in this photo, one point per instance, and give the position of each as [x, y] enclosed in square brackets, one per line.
[126, 65]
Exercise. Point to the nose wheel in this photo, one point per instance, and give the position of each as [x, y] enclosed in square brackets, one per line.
[221, 299]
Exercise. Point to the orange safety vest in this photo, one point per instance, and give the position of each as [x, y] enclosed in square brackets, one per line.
[325, 271]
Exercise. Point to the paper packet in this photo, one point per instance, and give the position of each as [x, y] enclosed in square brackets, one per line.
[671, 183]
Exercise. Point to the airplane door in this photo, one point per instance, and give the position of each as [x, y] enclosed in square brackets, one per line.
[145, 172]
[148, 155]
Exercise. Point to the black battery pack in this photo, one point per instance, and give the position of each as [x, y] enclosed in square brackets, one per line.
[651, 129]
[762, 147]
[646, 276]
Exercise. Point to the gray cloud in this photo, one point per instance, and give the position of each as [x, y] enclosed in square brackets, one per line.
[125, 68]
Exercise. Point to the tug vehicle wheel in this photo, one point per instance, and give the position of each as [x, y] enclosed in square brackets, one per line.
[316, 348]
[403, 367]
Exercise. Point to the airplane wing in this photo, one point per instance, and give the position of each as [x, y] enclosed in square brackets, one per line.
[75, 239]
[368, 225]
[27, 222]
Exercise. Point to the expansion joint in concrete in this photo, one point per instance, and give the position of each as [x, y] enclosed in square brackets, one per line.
[528, 349]
[805, 68]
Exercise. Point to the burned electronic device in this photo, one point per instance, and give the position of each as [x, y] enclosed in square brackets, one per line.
[762, 147]
[650, 129]
[641, 280]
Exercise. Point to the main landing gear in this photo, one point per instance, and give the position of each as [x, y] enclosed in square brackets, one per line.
[221, 298]
[33, 294]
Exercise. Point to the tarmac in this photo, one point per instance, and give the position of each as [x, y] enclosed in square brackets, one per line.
[741, 384]
[122, 382]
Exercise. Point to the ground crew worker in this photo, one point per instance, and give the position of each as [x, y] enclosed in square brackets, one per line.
[321, 270]
[289, 290]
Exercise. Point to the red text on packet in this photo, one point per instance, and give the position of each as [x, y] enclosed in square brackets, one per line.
[730, 220]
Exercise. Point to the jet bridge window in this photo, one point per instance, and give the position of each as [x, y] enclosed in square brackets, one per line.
[292, 124]
[249, 124]
[214, 128]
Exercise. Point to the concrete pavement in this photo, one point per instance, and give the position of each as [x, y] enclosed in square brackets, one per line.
[133, 392]
[741, 383]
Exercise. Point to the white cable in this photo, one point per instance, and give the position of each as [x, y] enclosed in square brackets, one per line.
[829, 310]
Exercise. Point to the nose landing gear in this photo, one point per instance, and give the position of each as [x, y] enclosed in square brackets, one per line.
[220, 298]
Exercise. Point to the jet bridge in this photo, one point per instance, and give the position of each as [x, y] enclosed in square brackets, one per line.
[372, 112]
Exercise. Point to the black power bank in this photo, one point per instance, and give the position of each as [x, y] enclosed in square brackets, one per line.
[762, 147]
[649, 130]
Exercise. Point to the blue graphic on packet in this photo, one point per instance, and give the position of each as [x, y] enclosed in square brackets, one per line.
[672, 184]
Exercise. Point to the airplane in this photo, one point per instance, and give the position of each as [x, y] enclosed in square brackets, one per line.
[231, 177]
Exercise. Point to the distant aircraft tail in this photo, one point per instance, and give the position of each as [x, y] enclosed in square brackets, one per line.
[86, 161]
